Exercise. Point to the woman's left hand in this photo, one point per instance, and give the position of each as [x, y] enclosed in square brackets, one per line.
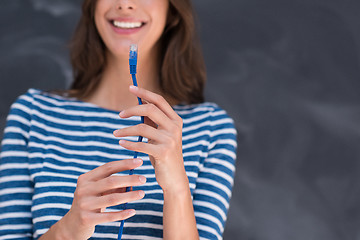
[163, 129]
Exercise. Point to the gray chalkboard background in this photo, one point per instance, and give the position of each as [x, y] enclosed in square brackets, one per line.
[287, 71]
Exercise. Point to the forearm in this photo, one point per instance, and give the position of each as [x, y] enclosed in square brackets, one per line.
[53, 233]
[57, 231]
[178, 216]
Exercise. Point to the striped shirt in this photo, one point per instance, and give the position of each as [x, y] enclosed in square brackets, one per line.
[49, 141]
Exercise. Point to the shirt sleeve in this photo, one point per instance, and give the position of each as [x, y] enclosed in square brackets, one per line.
[215, 179]
[16, 188]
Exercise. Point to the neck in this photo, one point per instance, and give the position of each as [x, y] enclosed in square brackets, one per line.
[113, 90]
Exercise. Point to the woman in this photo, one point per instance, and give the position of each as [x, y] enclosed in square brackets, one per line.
[63, 173]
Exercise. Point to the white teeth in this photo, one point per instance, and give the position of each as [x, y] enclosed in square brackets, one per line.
[127, 24]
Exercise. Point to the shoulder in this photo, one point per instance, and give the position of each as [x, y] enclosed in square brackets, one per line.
[208, 112]
[36, 100]
[205, 108]
[21, 113]
[23, 105]
[36, 103]
[33, 97]
[45, 98]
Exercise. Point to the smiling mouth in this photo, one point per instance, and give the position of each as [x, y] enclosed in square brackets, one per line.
[127, 25]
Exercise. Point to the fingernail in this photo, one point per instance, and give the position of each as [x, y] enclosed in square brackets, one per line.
[142, 179]
[141, 194]
[115, 132]
[137, 160]
[131, 212]
[133, 87]
[122, 142]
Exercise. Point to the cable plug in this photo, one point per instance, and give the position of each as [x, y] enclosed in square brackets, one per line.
[133, 58]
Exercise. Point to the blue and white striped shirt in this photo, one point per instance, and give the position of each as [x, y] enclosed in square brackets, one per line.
[49, 141]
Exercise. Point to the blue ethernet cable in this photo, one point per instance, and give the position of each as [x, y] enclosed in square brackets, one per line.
[133, 64]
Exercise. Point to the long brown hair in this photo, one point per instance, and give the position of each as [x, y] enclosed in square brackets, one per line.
[182, 68]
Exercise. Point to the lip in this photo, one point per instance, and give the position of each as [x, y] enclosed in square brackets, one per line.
[123, 30]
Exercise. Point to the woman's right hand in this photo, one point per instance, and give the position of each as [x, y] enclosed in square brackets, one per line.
[96, 190]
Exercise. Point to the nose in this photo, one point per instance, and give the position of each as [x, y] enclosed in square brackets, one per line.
[125, 5]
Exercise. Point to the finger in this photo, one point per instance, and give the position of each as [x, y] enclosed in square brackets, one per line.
[108, 169]
[148, 121]
[116, 199]
[116, 190]
[156, 99]
[98, 218]
[140, 130]
[146, 148]
[115, 182]
[148, 110]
